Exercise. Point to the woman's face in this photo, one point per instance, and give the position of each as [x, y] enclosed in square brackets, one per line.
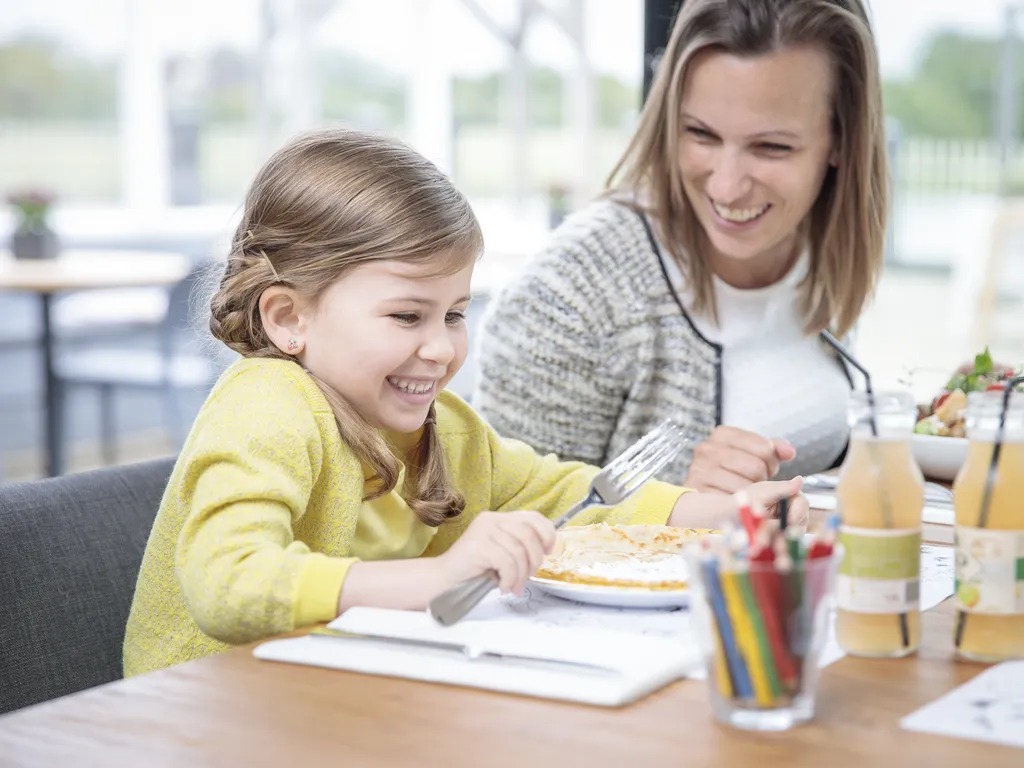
[755, 146]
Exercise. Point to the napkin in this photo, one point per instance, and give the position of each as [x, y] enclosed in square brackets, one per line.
[636, 664]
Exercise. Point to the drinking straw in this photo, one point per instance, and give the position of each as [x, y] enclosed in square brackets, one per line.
[990, 481]
[887, 516]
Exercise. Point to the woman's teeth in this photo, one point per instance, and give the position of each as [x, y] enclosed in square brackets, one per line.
[739, 215]
[416, 388]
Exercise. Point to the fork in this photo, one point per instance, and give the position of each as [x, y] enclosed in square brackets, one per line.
[617, 481]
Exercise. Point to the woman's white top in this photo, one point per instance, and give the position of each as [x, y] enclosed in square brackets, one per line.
[776, 380]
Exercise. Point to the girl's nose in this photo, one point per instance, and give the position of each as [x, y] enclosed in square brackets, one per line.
[438, 348]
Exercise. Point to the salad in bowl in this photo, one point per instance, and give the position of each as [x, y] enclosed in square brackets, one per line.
[940, 435]
[945, 415]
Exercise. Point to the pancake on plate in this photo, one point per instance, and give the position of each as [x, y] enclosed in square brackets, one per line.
[634, 556]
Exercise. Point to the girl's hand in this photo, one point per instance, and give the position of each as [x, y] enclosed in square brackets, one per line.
[731, 459]
[512, 543]
[710, 510]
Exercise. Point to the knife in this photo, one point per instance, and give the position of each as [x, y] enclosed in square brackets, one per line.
[466, 651]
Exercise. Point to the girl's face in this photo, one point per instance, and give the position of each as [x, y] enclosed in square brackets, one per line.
[388, 336]
[755, 148]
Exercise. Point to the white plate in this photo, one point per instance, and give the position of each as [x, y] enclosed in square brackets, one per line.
[619, 597]
[940, 458]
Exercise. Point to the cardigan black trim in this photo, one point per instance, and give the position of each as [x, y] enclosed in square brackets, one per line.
[675, 295]
[718, 347]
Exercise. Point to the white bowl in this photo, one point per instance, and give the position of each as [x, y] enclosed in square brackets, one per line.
[940, 458]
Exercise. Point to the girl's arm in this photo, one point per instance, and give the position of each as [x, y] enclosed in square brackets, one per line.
[403, 584]
[251, 462]
[523, 479]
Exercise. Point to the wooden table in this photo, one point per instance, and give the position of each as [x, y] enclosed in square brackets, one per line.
[77, 270]
[234, 710]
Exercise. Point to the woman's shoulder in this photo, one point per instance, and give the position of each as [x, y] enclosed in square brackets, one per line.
[606, 229]
[600, 250]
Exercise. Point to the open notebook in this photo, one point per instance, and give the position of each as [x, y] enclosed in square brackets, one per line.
[632, 665]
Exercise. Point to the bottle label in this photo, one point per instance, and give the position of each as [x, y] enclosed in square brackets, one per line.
[880, 571]
[989, 570]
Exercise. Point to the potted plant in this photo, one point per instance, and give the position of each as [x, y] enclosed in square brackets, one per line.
[33, 238]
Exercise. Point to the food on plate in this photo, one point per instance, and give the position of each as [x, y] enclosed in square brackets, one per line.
[638, 556]
[945, 415]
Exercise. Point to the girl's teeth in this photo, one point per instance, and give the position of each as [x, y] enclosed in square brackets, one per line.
[409, 386]
[739, 215]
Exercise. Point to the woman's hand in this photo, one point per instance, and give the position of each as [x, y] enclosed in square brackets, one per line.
[731, 459]
[711, 510]
[512, 543]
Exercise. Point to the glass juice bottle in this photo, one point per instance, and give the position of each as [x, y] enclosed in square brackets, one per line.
[990, 545]
[880, 496]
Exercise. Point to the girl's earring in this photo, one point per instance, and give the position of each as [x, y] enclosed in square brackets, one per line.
[293, 345]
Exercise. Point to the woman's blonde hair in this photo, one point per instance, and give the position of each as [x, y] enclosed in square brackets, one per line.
[324, 204]
[845, 228]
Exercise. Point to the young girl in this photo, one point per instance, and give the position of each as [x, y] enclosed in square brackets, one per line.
[328, 468]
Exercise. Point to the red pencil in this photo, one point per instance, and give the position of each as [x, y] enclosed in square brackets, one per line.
[748, 519]
[768, 592]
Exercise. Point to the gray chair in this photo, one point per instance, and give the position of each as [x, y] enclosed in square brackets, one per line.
[166, 369]
[70, 551]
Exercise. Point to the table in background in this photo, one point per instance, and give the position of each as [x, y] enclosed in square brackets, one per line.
[77, 270]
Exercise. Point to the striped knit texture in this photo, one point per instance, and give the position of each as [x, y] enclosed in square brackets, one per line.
[587, 350]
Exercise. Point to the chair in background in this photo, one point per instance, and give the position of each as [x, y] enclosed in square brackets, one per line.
[70, 552]
[167, 368]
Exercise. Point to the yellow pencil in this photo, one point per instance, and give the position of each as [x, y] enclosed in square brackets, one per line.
[746, 640]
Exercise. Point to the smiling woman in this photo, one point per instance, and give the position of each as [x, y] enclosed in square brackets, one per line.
[746, 215]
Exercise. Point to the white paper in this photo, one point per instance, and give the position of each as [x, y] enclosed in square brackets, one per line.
[937, 568]
[536, 607]
[938, 515]
[826, 501]
[628, 666]
[547, 641]
[989, 707]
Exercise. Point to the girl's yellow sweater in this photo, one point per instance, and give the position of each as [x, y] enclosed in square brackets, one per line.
[264, 513]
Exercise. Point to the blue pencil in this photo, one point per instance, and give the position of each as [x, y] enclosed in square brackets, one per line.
[737, 669]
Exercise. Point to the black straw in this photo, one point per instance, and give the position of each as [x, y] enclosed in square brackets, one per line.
[990, 481]
[886, 509]
[844, 353]
[783, 513]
